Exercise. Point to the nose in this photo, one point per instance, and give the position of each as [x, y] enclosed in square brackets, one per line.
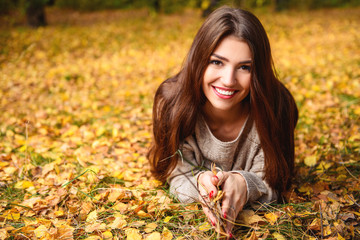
[228, 77]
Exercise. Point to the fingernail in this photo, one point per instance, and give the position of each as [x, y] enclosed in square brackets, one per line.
[211, 194]
[230, 235]
[212, 223]
[217, 177]
[225, 215]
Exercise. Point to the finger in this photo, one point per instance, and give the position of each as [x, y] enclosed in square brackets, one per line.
[215, 180]
[222, 177]
[212, 219]
[229, 211]
[206, 186]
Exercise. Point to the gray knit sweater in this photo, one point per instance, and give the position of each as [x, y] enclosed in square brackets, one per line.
[242, 155]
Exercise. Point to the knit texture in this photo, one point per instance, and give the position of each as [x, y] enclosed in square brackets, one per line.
[242, 155]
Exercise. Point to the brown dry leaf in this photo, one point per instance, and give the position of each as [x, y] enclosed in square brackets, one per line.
[252, 236]
[315, 224]
[248, 217]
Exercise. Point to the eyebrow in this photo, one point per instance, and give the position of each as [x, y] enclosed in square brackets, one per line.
[227, 60]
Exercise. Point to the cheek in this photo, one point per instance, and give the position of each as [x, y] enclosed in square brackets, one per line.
[206, 77]
[246, 82]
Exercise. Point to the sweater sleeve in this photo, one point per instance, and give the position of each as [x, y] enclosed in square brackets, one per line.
[183, 179]
[257, 187]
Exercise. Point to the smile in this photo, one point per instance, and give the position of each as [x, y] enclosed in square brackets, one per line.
[222, 93]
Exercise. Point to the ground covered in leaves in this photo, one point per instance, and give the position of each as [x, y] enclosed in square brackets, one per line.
[75, 125]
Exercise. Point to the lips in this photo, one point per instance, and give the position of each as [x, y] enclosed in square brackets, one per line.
[224, 93]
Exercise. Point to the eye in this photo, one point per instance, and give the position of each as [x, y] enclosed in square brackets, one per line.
[245, 67]
[215, 62]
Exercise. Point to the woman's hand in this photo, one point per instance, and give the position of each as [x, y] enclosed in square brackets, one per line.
[234, 199]
[207, 184]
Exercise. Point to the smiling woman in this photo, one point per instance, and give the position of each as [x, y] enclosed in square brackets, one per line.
[225, 107]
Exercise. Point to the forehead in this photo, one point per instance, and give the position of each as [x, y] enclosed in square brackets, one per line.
[233, 47]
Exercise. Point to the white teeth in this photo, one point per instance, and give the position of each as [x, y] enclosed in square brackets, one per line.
[223, 92]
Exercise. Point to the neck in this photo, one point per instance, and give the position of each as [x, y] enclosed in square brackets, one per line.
[226, 117]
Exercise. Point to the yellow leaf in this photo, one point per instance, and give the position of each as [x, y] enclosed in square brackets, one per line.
[41, 231]
[166, 234]
[59, 213]
[23, 184]
[93, 237]
[119, 222]
[150, 227]
[107, 235]
[132, 234]
[167, 219]
[3, 234]
[205, 227]
[92, 217]
[278, 236]
[13, 216]
[65, 231]
[96, 226]
[340, 237]
[310, 161]
[141, 213]
[154, 236]
[271, 217]
[249, 217]
[121, 207]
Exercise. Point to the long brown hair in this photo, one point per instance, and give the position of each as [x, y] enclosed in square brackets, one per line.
[179, 100]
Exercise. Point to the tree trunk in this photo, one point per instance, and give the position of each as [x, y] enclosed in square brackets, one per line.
[35, 13]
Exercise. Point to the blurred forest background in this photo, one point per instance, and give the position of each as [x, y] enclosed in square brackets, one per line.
[35, 9]
[77, 81]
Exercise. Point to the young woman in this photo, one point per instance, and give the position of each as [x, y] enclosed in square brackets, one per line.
[225, 107]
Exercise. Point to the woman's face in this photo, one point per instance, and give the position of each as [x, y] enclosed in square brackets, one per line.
[227, 77]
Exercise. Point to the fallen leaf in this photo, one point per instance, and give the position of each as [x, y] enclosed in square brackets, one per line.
[205, 227]
[154, 236]
[278, 236]
[132, 234]
[166, 234]
[119, 222]
[310, 160]
[150, 227]
[92, 217]
[271, 217]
